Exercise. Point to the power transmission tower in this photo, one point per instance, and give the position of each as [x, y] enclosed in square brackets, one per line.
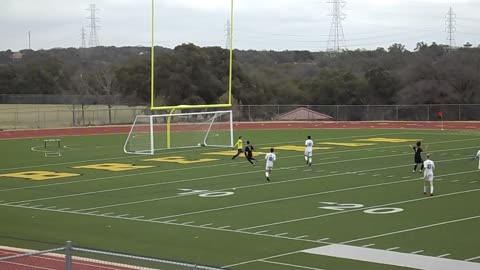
[94, 40]
[84, 38]
[227, 35]
[451, 28]
[336, 38]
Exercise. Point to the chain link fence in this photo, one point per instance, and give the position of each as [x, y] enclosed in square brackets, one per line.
[70, 257]
[25, 116]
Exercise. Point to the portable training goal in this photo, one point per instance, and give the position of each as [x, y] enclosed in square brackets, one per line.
[150, 133]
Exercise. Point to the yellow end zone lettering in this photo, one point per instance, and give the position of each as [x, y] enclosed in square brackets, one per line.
[181, 160]
[347, 144]
[296, 148]
[39, 175]
[113, 167]
[387, 140]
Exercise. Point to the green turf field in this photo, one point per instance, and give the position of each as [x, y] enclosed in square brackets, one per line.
[199, 206]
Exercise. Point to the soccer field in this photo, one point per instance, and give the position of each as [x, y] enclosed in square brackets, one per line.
[359, 206]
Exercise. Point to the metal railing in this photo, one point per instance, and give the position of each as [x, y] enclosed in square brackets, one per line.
[25, 116]
[70, 257]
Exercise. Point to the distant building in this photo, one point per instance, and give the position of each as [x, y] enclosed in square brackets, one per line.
[303, 114]
[17, 56]
[467, 45]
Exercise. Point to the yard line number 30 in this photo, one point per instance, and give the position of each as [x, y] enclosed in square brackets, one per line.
[352, 206]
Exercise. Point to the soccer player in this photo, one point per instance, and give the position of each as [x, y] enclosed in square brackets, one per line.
[249, 153]
[428, 175]
[418, 156]
[270, 158]
[308, 150]
[478, 156]
[239, 145]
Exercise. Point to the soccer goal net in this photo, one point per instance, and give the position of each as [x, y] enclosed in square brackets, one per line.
[150, 133]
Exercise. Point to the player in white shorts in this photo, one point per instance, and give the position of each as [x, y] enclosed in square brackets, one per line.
[308, 150]
[478, 157]
[270, 158]
[429, 166]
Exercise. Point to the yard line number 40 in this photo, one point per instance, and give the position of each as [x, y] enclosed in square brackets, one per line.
[352, 206]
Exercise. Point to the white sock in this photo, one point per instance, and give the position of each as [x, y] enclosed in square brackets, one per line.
[306, 158]
[266, 174]
[310, 160]
[424, 188]
[431, 189]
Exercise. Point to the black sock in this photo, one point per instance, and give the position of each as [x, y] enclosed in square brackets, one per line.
[415, 168]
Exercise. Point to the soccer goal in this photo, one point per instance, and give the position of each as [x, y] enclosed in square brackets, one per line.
[150, 133]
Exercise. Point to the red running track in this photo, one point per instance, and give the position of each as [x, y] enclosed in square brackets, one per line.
[52, 262]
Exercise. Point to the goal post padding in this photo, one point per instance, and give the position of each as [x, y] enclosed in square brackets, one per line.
[150, 133]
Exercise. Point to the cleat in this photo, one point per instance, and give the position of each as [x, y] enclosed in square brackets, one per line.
[413, 171]
[431, 194]
[268, 179]
[424, 193]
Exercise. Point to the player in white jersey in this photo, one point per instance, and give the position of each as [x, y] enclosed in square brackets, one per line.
[270, 158]
[478, 157]
[308, 150]
[429, 166]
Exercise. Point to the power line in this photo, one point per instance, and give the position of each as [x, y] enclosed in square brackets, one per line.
[336, 41]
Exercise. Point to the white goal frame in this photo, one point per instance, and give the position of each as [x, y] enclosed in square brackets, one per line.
[151, 151]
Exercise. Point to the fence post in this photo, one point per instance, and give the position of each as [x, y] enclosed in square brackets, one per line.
[459, 112]
[68, 255]
[428, 111]
[338, 113]
[396, 113]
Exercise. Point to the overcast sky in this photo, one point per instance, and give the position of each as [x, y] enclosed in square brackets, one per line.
[258, 24]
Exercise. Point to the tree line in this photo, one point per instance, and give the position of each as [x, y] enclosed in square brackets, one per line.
[189, 74]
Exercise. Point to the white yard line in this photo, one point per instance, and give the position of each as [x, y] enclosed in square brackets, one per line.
[291, 265]
[369, 245]
[412, 229]
[261, 232]
[444, 255]
[418, 251]
[393, 248]
[261, 259]
[472, 259]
